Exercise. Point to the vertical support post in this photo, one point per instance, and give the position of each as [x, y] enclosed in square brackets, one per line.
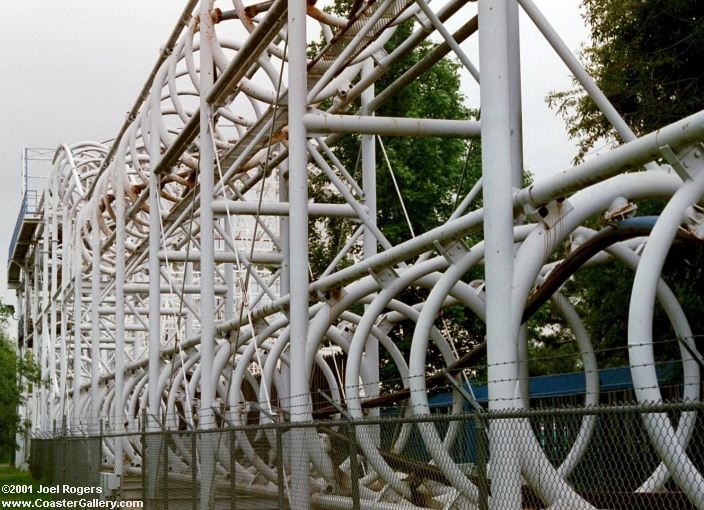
[95, 323]
[354, 467]
[146, 493]
[54, 442]
[368, 148]
[515, 98]
[77, 319]
[39, 345]
[498, 175]
[233, 471]
[99, 449]
[64, 445]
[280, 466]
[284, 277]
[194, 469]
[480, 444]
[154, 347]
[46, 347]
[514, 68]
[283, 230]
[119, 189]
[188, 300]
[298, 253]
[229, 276]
[63, 352]
[54, 233]
[165, 468]
[20, 456]
[207, 256]
[369, 166]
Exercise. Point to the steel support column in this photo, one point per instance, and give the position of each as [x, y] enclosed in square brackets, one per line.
[298, 249]
[119, 189]
[498, 175]
[207, 254]
[94, 413]
[368, 149]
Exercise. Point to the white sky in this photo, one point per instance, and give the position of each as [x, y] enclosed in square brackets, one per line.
[71, 70]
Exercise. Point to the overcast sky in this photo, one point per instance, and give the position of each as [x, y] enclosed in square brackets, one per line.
[72, 69]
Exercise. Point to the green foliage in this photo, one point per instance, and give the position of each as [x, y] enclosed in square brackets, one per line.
[646, 57]
[430, 172]
[11, 476]
[9, 397]
[551, 347]
[15, 372]
[433, 174]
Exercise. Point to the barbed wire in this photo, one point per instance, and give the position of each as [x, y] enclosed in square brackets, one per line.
[627, 407]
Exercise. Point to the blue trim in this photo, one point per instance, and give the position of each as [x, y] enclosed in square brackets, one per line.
[562, 385]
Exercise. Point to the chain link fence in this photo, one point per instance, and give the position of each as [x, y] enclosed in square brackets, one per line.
[602, 457]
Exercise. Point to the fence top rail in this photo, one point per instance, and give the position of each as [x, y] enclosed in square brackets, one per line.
[601, 410]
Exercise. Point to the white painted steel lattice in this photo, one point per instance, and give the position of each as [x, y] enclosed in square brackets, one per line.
[168, 279]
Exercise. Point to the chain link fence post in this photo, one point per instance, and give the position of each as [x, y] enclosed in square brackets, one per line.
[233, 471]
[280, 465]
[64, 448]
[100, 448]
[607, 473]
[52, 460]
[194, 469]
[143, 441]
[482, 454]
[165, 468]
[354, 468]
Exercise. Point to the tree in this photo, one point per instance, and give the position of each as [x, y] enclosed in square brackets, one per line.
[430, 172]
[15, 372]
[645, 56]
[9, 398]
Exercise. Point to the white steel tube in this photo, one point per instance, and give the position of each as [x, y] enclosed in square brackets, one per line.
[65, 268]
[224, 207]
[94, 413]
[207, 250]
[324, 123]
[298, 249]
[54, 236]
[154, 342]
[516, 115]
[640, 334]
[47, 363]
[258, 257]
[641, 150]
[497, 172]
[119, 189]
[284, 279]
[229, 275]
[143, 288]
[77, 316]
[370, 242]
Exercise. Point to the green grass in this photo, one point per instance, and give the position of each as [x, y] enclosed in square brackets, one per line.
[11, 476]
